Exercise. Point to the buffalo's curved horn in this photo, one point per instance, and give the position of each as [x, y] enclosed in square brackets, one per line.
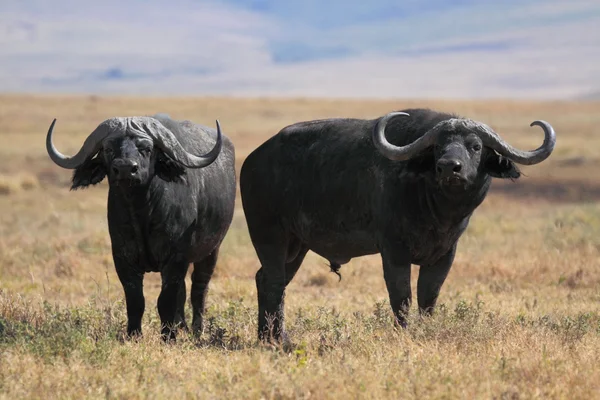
[92, 144]
[168, 143]
[493, 141]
[487, 135]
[400, 153]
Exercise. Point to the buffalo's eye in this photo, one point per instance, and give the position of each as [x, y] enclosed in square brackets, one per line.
[477, 147]
[145, 151]
[108, 152]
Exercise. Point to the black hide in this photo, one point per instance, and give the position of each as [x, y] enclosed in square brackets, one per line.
[323, 186]
[163, 216]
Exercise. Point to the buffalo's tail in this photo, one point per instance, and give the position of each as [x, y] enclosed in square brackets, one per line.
[335, 268]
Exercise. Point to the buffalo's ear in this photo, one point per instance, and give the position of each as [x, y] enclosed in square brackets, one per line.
[422, 163]
[498, 166]
[168, 169]
[90, 172]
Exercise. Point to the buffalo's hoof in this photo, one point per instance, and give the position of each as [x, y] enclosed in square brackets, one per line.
[168, 335]
[183, 327]
[400, 324]
[281, 341]
[130, 336]
[197, 329]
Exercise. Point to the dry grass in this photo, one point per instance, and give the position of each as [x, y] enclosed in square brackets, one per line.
[519, 315]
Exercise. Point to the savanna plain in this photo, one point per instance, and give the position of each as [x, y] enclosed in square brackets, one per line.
[518, 316]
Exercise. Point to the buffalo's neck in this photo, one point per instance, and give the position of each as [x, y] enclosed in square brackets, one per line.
[138, 202]
[130, 216]
[451, 208]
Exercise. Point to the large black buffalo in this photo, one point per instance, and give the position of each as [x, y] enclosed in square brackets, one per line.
[170, 203]
[404, 185]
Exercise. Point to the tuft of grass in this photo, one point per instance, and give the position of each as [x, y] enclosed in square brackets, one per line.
[7, 186]
[50, 332]
[11, 184]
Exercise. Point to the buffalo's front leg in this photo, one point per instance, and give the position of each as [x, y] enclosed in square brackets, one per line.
[396, 272]
[133, 286]
[203, 271]
[172, 276]
[431, 279]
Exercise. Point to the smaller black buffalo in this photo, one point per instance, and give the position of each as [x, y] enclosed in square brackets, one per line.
[403, 185]
[167, 206]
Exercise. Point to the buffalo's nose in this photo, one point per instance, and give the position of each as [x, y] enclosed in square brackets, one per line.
[124, 168]
[449, 167]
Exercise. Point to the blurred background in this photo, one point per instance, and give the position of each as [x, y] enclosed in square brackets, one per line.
[544, 49]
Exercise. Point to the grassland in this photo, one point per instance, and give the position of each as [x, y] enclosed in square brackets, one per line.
[519, 313]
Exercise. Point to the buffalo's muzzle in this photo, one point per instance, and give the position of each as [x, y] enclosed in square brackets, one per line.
[448, 168]
[123, 169]
[449, 172]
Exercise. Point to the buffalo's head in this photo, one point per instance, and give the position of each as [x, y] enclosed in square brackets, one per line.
[131, 151]
[460, 151]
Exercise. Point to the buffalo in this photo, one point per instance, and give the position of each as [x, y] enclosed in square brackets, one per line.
[403, 185]
[171, 199]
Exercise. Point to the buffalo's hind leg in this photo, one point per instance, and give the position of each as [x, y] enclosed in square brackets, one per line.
[293, 264]
[280, 258]
[203, 271]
